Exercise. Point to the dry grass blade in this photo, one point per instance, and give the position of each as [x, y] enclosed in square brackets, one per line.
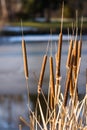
[24, 121]
[42, 116]
[59, 128]
[31, 122]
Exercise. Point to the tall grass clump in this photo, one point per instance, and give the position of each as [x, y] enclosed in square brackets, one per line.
[63, 112]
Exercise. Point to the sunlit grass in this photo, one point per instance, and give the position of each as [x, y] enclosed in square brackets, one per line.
[47, 25]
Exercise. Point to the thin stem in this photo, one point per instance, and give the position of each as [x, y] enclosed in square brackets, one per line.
[28, 91]
[81, 28]
[76, 24]
[51, 42]
[62, 16]
[68, 35]
[22, 29]
[47, 48]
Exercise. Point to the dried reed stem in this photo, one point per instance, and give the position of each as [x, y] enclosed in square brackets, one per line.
[59, 128]
[42, 116]
[20, 127]
[35, 118]
[32, 122]
[24, 121]
[42, 73]
[62, 16]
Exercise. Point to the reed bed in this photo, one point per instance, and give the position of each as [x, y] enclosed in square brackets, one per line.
[63, 112]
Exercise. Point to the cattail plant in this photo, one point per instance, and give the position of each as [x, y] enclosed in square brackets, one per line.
[52, 89]
[25, 62]
[68, 65]
[58, 56]
[25, 58]
[68, 79]
[42, 70]
[62, 114]
[42, 73]
[24, 54]
[69, 53]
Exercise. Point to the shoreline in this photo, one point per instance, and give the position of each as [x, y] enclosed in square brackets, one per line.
[16, 31]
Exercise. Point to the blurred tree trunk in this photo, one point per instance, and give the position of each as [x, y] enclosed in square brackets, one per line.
[4, 10]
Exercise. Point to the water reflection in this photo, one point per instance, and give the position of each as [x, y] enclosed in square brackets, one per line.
[11, 107]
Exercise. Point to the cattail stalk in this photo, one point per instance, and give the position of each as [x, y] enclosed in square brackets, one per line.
[75, 64]
[75, 88]
[67, 83]
[75, 53]
[25, 58]
[67, 86]
[52, 91]
[42, 73]
[58, 61]
[68, 65]
[58, 55]
[69, 53]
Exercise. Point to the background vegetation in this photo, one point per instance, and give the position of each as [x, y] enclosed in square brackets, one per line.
[13, 10]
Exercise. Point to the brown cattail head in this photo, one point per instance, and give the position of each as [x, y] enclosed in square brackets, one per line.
[75, 53]
[59, 55]
[79, 50]
[68, 78]
[51, 83]
[51, 75]
[42, 73]
[25, 58]
[80, 47]
[67, 84]
[69, 53]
